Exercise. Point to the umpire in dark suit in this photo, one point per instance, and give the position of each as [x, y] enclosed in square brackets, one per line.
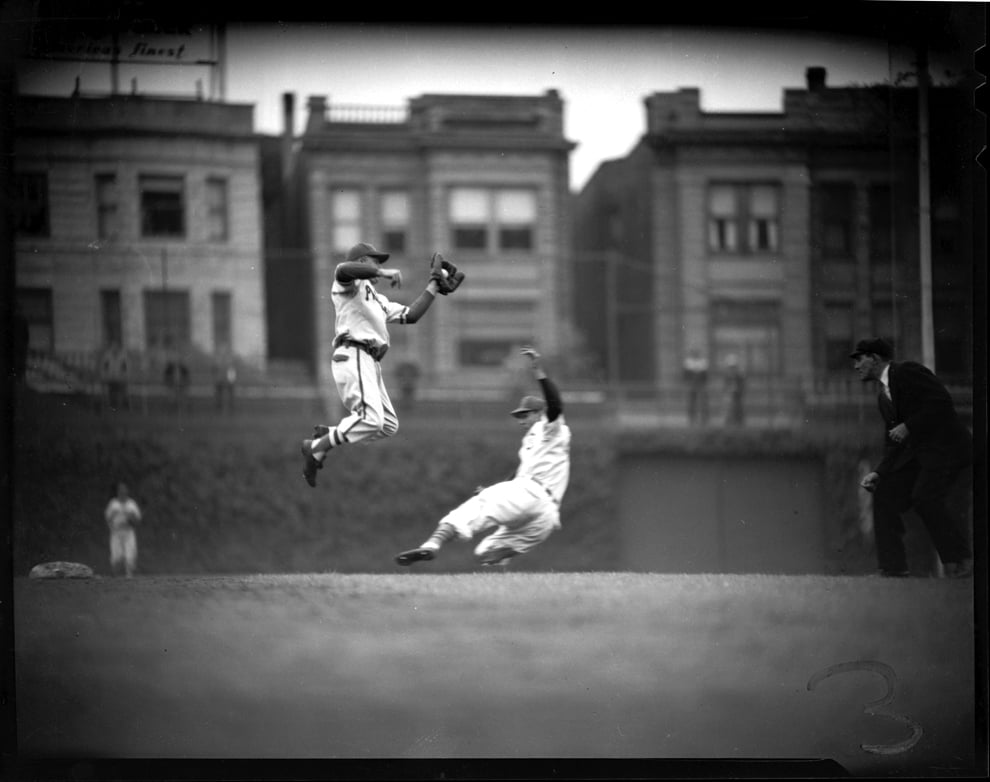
[926, 448]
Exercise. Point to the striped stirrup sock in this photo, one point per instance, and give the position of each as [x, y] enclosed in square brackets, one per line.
[441, 535]
[328, 438]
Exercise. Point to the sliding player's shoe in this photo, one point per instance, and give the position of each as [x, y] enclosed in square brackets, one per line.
[415, 555]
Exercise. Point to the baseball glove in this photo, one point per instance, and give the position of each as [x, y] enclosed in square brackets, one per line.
[446, 274]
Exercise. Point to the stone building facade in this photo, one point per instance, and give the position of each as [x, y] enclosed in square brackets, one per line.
[482, 179]
[780, 238]
[139, 223]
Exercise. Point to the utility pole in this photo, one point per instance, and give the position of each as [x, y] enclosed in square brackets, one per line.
[925, 214]
[115, 60]
[612, 319]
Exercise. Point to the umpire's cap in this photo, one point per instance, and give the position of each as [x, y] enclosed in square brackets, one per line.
[362, 249]
[878, 346]
[529, 404]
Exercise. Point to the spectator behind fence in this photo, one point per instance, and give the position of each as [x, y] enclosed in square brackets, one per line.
[927, 451]
[122, 514]
[735, 392]
[224, 380]
[696, 379]
[177, 382]
[115, 374]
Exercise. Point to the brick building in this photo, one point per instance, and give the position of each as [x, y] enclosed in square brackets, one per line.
[780, 238]
[139, 223]
[483, 179]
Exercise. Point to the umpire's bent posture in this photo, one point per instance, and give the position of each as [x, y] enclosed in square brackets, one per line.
[926, 448]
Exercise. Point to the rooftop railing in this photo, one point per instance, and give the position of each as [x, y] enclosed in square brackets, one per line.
[367, 115]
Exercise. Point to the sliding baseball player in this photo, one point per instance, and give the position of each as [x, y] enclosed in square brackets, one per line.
[521, 512]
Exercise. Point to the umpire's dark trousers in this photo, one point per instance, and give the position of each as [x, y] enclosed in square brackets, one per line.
[922, 485]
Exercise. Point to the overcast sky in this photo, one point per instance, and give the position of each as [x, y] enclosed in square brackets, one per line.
[603, 74]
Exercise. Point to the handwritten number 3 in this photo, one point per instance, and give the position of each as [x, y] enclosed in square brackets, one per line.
[877, 707]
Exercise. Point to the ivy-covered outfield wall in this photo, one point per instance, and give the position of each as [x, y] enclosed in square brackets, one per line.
[225, 494]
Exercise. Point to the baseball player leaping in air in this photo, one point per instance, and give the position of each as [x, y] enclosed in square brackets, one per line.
[361, 341]
[524, 510]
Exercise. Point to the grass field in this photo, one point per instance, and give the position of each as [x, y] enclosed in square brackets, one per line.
[514, 665]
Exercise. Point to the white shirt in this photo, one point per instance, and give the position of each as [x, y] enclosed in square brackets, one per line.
[885, 381]
[545, 455]
[120, 515]
[696, 364]
[362, 312]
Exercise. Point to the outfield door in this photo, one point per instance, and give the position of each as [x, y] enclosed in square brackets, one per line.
[685, 514]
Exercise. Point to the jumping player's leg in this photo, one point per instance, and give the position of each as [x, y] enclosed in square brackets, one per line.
[371, 416]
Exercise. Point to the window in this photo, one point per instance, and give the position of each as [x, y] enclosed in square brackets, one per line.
[491, 332]
[839, 336]
[722, 219]
[485, 352]
[107, 226]
[750, 331]
[166, 319]
[162, 206]
[32, 204]
[216, 210]
[515, 213]
[395, 220]
[345, 218]
[113, 330]
[837, 219]
[763, 218]
[743, 218]
[492, 220]
[881, 243]
[469, 218]
[36, 306]
[222, 320]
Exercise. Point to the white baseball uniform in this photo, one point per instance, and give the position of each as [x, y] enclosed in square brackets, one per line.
[526, 509]
[360, 342]
[120, 516]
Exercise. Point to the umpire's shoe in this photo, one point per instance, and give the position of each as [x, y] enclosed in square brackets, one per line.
[415, 555]
[311, 464]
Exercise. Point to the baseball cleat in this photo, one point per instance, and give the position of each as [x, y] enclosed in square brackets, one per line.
[311, 463]
[415, 555]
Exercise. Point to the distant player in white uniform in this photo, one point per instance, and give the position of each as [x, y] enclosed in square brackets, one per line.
[361, 341]
[522, 511]
[122, 514]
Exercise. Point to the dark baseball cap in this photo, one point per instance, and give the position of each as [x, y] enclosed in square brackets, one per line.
[529, 404]
[877, 346]
[362, 249]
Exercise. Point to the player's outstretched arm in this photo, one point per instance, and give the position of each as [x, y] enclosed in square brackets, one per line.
[551, 394]
[354, 270]
[422, 303]
[349, 271]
